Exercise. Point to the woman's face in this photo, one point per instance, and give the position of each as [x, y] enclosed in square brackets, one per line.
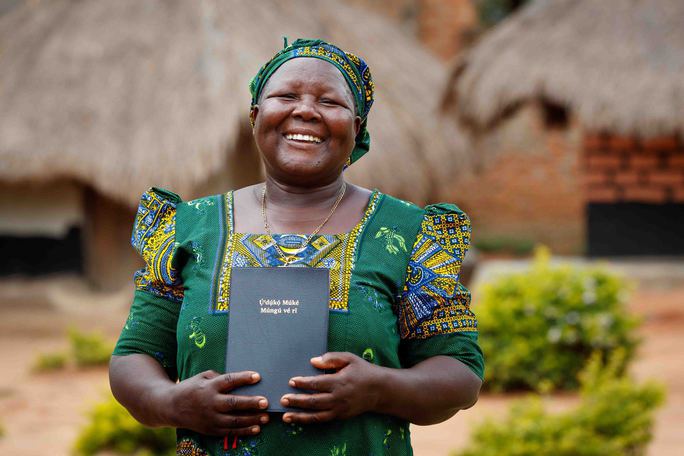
[305, 123]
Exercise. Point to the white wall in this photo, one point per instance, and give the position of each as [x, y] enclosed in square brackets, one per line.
[45, 209]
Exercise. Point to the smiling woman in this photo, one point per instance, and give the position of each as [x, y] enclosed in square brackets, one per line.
[305, 123]
[402, 339]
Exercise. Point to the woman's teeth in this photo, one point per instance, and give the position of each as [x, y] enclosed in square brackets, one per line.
[300, 137]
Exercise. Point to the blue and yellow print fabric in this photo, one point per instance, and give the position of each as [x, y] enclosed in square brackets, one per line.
[334, 252]
[434, 301]
[154, 237]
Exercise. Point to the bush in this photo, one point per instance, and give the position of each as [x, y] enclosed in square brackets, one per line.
[50, 361]
[112, 428]
[86, 349]
[538, 328]
[508, 245]
[615, 417]
[89, 349]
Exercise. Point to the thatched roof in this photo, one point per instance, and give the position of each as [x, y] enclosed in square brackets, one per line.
[618, 65]
[131, 93]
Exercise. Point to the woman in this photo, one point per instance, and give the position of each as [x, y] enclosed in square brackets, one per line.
[402, 339]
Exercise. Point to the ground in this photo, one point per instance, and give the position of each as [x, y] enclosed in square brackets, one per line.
[42, 413]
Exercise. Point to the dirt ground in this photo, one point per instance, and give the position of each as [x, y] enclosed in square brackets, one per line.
[42, 413]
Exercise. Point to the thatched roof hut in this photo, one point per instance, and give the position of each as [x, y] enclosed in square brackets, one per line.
[617, 65]
[610, 72]
[127, 94]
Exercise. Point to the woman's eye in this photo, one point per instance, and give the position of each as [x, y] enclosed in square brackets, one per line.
[328, 101]
[289, 96]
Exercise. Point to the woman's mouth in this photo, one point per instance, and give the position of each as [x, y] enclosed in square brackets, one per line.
[303, 138]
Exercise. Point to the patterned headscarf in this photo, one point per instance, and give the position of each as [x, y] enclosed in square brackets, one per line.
[354, 69]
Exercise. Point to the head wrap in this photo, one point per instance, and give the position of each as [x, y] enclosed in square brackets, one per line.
[354, 69]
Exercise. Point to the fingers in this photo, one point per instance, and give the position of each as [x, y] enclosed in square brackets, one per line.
[224, 431]
[231, 402]
[323, 383]
[324, 401]
[308, 417]
[237, 424]
[235, 421]
[332, 360]
[232, 380]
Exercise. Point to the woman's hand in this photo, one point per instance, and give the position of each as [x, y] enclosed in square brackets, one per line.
[427, 393]
[346, 393]
[203, 403]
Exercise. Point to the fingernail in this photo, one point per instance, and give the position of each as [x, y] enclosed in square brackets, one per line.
[292, 383]
[255, 377]
[264, 419]
[317, 359]
[287, 418]
[255, 429]
[285, 401]
[263, 403]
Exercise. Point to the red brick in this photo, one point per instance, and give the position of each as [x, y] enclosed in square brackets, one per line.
[678, 195]
[644, 161]
[666, 177]
[594, 141]
[596, 178]
[602, 194]
[628, 177]
[645, 194]
[661, 143]
[616, 142]
[676, 161]
[610, 161]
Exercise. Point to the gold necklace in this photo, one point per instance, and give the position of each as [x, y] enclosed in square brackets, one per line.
[288, 259]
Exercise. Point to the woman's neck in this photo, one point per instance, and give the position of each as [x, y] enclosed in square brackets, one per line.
[286, 196]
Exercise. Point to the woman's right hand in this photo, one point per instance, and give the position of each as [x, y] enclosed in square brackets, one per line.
[203, 403]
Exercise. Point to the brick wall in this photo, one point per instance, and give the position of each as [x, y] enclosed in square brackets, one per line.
[529, 186]
[626, 169]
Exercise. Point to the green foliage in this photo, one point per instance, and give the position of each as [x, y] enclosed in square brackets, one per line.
[89, 349]
[112, 428]
[538, 328]
[46, 362]
[86, 349]
[514, 246]
[615, 417]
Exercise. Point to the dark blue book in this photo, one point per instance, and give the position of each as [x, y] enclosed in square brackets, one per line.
[278, 321]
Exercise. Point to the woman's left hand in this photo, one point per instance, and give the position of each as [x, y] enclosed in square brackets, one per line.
[348, 392]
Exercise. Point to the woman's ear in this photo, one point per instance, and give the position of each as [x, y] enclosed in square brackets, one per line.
[357, 125]
[253, 111]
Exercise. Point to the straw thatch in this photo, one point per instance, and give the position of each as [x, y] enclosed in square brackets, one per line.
[130, 93]
[618, 65]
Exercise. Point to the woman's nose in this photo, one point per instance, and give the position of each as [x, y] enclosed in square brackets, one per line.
[306, 109]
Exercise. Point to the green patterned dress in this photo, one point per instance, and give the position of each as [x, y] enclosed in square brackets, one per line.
[395, 300]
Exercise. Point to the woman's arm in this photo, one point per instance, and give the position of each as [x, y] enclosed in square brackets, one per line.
[427, 393]
[430, 392]
[200, 403]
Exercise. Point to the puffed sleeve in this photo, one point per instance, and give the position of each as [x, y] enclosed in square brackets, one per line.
[151, 325]
[434, 307]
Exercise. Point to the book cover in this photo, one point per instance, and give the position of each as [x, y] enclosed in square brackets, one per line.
[278, 321]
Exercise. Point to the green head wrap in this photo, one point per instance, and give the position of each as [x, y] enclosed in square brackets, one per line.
[355, 72]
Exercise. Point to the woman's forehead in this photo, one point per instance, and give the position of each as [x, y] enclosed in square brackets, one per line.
[306, 70]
